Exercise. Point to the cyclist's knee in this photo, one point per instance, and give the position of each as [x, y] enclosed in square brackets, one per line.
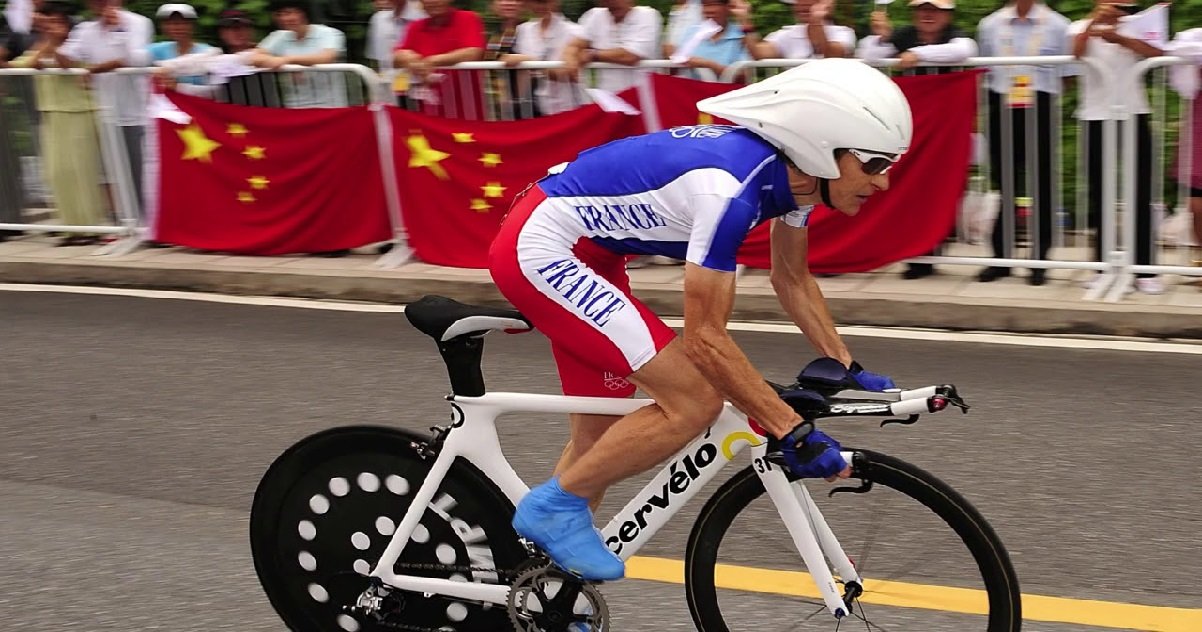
[696, 409]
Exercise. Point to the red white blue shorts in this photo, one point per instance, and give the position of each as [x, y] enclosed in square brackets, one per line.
[578, 294]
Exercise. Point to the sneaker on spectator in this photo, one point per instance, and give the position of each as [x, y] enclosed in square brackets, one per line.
[660, 260]
[640, 261]
[1150, 285]
[1093, 281]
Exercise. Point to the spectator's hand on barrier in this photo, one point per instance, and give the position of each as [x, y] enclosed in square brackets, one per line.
[907, 60]
[881, 27]
[700, 62]
[512, 59]
[420, 69]
[164, 79]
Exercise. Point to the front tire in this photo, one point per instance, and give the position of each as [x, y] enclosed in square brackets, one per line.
[720, 597]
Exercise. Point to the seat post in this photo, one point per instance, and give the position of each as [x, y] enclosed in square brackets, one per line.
[462, 355]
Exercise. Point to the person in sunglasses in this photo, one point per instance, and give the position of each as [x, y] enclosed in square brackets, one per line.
[825, 132]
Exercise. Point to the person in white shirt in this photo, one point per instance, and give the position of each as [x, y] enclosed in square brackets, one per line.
[116, 39]
[814, 36]
[387, 28]
[617, 33]
[545, 38]
[300, 42]
[1022, 99]
[1101, 39]
[685, 15]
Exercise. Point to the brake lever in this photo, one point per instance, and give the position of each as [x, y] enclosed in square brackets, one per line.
[905, 422]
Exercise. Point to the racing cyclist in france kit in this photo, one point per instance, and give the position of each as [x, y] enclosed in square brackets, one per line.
[824, 132]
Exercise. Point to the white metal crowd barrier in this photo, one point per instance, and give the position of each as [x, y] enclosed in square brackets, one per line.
[495, 82]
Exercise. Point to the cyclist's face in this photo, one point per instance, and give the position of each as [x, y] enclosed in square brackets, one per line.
[853, 187]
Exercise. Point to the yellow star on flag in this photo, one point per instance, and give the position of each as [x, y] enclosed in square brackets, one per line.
[490, 160]
[255, 152]
[236, 129]
[422, 155]
[705, 119]
[197, 146]
[258, 182]
[493, 190]
[480, 206]
[246, 197]
[463, 137]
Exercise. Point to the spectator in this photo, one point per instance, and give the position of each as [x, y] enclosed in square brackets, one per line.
[931, 37]
[236, 31]
[449, 36]
[1186, 80]
[685, 14]
[1099, 39]
[617, 33]
[507, 88]
[545, 38]
[1023, 28]
[13, 42]
[69, 137]
[723, 48]
[387, 29]
[237, 34]
[814, 35]
[178, 22]
[116, 39]
[301, 43]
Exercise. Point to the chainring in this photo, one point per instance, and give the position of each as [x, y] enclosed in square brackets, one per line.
[547, 599]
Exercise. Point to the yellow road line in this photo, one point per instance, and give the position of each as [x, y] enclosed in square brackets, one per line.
[1106, 614]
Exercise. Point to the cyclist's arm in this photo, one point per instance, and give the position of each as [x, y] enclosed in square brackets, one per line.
[799, 293]
[708, 299]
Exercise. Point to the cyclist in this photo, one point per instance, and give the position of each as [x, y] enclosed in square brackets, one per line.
[825, 132]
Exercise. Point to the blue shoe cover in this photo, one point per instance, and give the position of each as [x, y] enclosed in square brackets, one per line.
[561, 524]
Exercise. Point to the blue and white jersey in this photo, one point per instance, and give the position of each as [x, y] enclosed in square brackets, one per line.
[691, 193]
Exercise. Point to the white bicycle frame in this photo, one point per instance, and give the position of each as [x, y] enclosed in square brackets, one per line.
[473, 436]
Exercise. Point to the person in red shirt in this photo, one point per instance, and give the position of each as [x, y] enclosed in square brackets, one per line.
[445, 38]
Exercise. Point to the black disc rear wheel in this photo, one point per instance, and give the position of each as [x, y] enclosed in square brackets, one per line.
[931, 562]
[328, 506]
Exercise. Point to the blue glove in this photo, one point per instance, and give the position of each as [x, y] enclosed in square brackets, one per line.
[871, 381]
[816, 455]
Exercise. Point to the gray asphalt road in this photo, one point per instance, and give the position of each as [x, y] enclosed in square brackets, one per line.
[133, 433]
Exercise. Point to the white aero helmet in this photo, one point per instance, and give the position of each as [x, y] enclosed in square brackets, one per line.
[811, 110]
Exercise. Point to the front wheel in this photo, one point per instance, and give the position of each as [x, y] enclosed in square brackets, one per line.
[930, 561]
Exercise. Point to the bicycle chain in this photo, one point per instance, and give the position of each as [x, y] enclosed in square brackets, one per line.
[507, 576]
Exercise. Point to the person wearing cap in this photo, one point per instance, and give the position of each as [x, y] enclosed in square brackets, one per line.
[178, 22]
[117, 38]
[814, 36]
[1101, 38]
[721, 49]
[930, 38]
[298, 42]
[236, 31]
[1019, 96]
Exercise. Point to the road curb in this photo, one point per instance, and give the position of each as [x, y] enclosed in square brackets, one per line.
[1154, 321]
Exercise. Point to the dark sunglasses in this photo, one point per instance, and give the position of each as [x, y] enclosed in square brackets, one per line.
[874, 163]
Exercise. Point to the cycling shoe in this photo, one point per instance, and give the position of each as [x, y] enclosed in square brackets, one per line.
[561, 524]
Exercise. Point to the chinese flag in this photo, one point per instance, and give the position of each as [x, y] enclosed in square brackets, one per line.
[266, 181]
[676, 100]
[457, 177]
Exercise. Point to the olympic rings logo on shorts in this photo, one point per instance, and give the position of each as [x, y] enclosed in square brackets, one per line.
[614, 383]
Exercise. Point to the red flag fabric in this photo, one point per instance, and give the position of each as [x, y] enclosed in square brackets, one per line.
[919, 209]
[676, 100]
[457, 178]
[269, 181]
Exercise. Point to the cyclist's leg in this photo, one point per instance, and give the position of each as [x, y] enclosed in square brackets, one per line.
[586, 430]
[685, 405]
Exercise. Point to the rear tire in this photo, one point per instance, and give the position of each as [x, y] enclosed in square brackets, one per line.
[326, 509]
[992, 561]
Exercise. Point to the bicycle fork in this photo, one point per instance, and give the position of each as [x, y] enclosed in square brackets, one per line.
[814, 539]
